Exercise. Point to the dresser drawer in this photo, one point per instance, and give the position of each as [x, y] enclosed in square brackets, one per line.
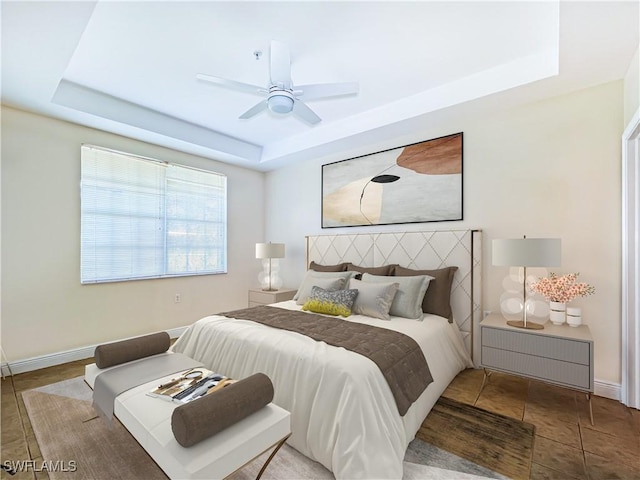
[563, 349]
[560, 372]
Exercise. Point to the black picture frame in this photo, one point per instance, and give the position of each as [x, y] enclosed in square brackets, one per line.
[416, 183]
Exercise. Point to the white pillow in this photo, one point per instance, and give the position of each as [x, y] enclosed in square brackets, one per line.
[374, 299]
[408, 300]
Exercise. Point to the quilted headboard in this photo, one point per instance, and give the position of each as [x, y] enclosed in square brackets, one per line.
[416, 250]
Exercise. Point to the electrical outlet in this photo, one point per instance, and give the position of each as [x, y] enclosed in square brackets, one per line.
[177, 298]
[485, 313]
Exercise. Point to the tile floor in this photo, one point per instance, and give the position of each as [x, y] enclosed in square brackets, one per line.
[566, 445]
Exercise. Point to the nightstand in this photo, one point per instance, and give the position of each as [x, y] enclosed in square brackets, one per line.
[561, 355]
[263, 297]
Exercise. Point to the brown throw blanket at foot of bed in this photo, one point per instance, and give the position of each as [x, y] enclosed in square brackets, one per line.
[398, 356]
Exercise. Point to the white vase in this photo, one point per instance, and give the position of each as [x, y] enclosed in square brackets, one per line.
[574, 316]
[557, 312]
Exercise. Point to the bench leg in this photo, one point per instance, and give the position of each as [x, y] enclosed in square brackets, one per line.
[273, 454]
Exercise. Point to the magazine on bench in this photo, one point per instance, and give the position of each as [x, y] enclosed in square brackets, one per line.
[189, 385]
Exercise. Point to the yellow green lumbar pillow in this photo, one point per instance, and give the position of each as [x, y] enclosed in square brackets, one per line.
[338, 302]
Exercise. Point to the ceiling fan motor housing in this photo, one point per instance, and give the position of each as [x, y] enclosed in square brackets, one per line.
[280, 100]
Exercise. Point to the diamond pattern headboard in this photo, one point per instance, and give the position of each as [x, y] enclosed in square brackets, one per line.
[418, 250]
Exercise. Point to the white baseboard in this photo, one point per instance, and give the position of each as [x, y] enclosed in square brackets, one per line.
[36, 363]
[607, 389]
[601, 387]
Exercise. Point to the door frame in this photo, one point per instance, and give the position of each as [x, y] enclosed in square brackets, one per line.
[630, 392]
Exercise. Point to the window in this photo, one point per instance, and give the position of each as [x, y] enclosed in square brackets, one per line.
[141, 218]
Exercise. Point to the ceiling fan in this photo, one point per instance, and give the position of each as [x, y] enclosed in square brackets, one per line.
[281, 95]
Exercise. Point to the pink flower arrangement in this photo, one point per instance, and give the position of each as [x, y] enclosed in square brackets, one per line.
[562, 288]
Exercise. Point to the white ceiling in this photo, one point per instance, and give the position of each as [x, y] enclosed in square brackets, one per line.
[129, 67]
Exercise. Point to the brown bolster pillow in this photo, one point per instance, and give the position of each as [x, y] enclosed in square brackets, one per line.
[115, 353]
[203, 417]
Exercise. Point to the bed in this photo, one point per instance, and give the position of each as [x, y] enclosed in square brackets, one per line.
[343, 413]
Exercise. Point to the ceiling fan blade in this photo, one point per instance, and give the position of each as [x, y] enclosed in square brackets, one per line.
[304, 112]
[232, 84]
[280, 65]
[323, 90]
[257, 108]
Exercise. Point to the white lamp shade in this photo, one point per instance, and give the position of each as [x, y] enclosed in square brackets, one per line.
[526, 252]
[269, 250]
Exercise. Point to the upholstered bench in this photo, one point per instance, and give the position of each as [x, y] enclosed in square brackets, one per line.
[149, 420]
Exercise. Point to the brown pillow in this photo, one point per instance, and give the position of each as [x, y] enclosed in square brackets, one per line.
[203, 417]
[340, 267]
[384, 270]
[437, 300]
[115, 353]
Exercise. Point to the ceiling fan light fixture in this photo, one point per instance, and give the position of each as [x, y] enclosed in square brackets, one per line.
[280, 102]
[281, 96]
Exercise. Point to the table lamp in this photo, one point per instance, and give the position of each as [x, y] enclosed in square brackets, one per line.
[268, 251]
[526, 252]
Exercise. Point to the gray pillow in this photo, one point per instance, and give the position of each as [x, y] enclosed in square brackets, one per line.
[328, 283]
[345, 276]
[374, 299]
[437, 300]
[408, 300]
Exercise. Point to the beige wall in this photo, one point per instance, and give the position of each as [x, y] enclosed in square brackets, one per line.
[551, 168]
[45, 309]
[632, 88]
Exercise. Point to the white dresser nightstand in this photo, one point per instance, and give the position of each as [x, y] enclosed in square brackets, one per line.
[264, 297]
[561, 355]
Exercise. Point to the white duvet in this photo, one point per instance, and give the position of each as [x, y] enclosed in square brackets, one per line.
[343, 413]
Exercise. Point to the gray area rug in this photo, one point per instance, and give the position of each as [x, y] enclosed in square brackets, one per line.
[60, 415]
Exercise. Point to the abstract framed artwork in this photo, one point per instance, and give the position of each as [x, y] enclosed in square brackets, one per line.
[416, 183]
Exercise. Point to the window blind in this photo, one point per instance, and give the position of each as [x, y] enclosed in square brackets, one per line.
[141, 218]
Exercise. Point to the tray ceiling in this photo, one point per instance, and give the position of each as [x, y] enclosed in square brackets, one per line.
[130, 67]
